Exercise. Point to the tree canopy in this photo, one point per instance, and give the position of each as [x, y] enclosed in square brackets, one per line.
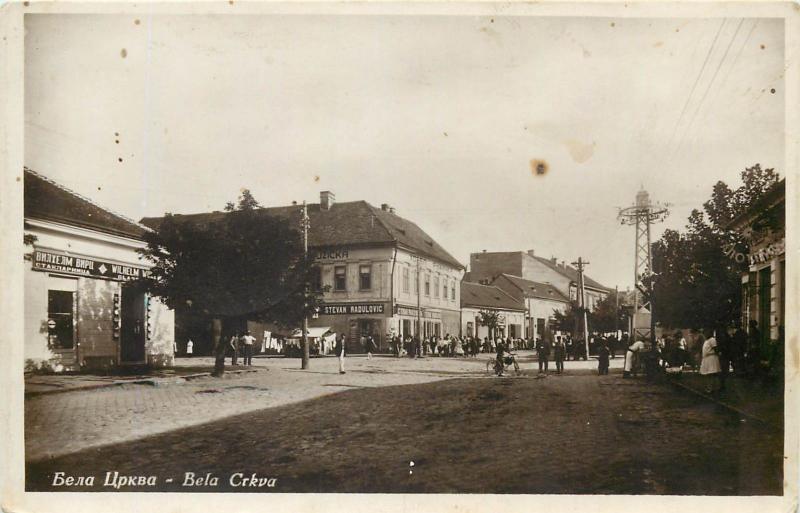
[245, 263]
[698, 283]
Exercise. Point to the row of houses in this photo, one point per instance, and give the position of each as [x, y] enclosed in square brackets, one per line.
[384, 276]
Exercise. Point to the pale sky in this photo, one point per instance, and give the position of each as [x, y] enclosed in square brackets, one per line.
[439, 116]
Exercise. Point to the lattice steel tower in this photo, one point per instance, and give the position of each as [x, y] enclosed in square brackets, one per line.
[642, 215]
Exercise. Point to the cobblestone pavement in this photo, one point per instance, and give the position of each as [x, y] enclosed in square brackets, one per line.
[57, 424]
[575, 433]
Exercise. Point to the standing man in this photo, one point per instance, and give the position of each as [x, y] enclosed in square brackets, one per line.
[370, 346]
[559, 350]
[339, 351]
[248, 341]
[543, 354]
[602, 358]
[234, 345]
[189, 347]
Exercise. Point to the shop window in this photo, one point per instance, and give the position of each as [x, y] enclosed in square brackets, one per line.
[406, 280]
[59, 319]
[364, 277]
[436, 287]
[340, 278]
[316, 279]
[427, 284]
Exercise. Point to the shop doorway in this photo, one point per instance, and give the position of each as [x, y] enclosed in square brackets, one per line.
[132, 329]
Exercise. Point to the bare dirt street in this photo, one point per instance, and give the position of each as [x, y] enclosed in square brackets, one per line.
[432, 426]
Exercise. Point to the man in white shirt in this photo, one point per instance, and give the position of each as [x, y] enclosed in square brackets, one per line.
[248, 340]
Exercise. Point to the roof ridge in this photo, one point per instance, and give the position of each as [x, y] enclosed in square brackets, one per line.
[84, 198]
[380, 221]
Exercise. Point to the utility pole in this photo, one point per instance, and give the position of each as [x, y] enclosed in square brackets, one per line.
[616, 311]
[582, 301]
[305, 225]
[419, 310]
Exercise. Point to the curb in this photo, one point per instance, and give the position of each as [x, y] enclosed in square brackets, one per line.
[724, 404]
[173, 380]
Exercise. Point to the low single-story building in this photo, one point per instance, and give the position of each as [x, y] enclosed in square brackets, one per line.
[81, 310]
[477, 298]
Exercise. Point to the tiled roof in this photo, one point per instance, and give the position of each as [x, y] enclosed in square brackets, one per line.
[536, 289]
[48, 200]
[345, 223]
[487, 296]
[572, 273]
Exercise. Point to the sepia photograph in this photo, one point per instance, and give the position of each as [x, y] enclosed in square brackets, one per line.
[396, 252]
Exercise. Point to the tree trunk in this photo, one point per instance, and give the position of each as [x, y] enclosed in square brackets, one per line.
[219, 348]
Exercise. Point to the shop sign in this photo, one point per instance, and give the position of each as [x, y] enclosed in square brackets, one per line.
[412, 312]
[769, 252]
[331, 254]
[352, 309]
[47, 261]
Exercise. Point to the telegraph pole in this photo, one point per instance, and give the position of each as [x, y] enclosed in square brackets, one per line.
[582, 302]
[616, 311]
[419, 311]
[305, 225]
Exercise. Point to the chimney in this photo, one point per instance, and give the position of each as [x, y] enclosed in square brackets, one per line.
[563, 264]
[294, 202]
[391, 210]
[553, 261]
[484, 251]
[385, 207]
[531, 252]
[326, 200]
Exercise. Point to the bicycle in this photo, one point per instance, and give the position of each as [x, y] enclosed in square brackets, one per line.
[493, 366]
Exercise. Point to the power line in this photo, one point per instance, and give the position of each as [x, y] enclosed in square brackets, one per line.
[696, 81]
[710, 83]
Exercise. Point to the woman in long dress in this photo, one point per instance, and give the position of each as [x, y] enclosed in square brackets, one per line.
[709, 366]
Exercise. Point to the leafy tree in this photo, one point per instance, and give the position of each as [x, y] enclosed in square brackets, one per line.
[697, 281]
[609, 309]
[246, 264]
[490, 319]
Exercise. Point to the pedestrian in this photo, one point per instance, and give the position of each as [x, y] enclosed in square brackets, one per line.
[247, 341]
[339, 351]
[738, 349]
[754, 348]
[234, 345]
[724, 352]
[696, 341]
[370, 346]
[632, 359]
[568, 345]
[189, 348]
[602, 358]
[559, 352]
[543, 354]
[709, 365]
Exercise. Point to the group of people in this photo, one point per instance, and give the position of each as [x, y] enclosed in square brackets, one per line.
[241, 344]
[450, 345]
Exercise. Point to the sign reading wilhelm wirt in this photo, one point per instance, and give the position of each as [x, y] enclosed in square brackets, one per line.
[85, 266]
[352, 309]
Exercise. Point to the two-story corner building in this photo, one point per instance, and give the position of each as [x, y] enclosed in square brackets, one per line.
[541, 301]
[383, 273]
[79, 312]
[477, 298]
[763, 225]
[484, 267]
